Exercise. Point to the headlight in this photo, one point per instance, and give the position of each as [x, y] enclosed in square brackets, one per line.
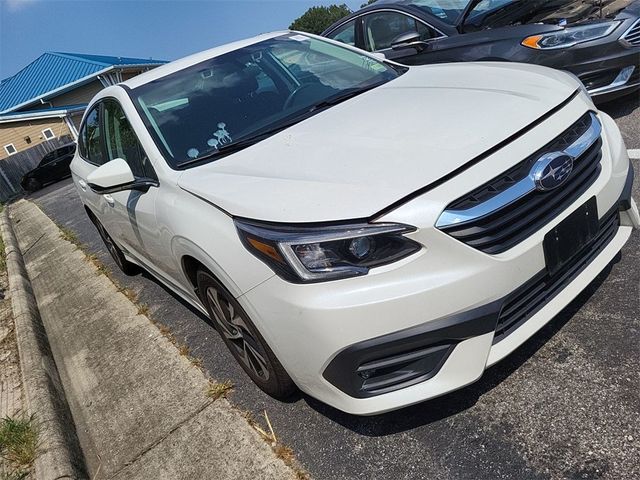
[570, 36]
[317, 254]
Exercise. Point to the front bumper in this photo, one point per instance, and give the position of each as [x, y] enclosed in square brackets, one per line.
[432, 317]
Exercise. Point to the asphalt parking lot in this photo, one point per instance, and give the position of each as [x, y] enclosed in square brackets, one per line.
[565, 405]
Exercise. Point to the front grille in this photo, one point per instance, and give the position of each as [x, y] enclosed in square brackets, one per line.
[632, 36]
[508, 224]
[528, 299]
[522, 169]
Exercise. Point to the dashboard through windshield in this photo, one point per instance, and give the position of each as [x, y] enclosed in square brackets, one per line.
[204, 110]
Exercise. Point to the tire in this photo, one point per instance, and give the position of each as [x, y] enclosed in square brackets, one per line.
[123, 264]
[33, 185]
[243, 338]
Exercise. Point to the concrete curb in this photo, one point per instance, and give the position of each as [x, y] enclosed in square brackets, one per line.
[59, 453]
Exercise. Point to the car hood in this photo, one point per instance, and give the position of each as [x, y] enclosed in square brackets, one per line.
[356, 158]
[556, 12]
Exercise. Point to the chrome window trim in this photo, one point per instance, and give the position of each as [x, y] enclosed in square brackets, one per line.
[623, 38]
[521, 188]
[393, 10]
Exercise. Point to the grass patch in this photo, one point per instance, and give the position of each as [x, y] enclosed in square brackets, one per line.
[143, 309]
[70, 236]
[219, 389]
[18, 446]
[127, 292]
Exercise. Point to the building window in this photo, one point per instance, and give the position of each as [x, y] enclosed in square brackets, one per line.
[48, 134]
[10, 149]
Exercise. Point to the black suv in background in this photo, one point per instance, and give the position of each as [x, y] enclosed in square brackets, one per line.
[597, 40]
[54, 166]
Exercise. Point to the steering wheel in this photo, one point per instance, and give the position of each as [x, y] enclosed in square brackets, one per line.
[292, 96]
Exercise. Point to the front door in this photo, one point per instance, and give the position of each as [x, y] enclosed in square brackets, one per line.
[135, 226]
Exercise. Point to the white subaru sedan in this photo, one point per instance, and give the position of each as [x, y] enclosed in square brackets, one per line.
[373, 234]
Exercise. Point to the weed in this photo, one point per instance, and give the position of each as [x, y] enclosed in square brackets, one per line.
[130, 294]
[70, 236]
[217, 389]
[18, 445]
[143, 309]
[196, 362]
[183, 350]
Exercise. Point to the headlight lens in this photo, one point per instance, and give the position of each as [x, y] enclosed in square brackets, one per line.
[570, 36]
[318, 254]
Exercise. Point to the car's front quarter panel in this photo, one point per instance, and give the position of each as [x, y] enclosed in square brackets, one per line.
[195, 228]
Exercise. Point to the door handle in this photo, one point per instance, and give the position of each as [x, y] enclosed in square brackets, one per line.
[83, 185]
[109, 199]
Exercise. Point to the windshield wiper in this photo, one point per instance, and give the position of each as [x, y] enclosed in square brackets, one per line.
[341, 97]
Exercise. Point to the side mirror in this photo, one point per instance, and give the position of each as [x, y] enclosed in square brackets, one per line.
[116, 176]
[408, 40]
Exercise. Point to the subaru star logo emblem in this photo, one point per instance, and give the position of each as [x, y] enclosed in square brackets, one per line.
[551, 170]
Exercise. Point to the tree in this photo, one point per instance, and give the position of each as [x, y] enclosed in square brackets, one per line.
[369, 2]
[317, 19]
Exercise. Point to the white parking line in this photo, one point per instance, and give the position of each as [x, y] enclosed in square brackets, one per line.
[634, 153]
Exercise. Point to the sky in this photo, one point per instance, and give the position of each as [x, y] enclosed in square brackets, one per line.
[159, 29]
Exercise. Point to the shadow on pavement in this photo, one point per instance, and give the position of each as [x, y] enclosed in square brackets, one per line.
[621, 107]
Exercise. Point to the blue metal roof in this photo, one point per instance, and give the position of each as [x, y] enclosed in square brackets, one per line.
[54, 70]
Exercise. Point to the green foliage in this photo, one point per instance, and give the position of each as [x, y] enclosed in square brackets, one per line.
[18, 446]
[317, 19]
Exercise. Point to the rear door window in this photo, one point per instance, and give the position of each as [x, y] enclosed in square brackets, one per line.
[91, 138]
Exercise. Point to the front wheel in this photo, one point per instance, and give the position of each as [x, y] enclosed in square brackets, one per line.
[125, 265]
[243, 339]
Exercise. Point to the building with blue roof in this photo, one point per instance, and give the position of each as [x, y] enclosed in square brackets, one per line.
[41, 106]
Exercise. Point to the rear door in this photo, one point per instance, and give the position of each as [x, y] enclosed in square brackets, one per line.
[44, 169]
[60, 165]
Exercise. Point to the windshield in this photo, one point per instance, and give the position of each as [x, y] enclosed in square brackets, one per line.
[499, 13]
[448, 11]
[230, 100]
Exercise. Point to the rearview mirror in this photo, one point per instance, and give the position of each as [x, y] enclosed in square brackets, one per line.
[408, 40]
[116, 176]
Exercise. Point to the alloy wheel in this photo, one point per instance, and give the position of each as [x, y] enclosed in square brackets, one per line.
[234, 327]
[111, 247]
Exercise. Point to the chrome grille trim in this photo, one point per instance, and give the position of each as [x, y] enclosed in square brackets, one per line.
[521, 188]
[631, 37]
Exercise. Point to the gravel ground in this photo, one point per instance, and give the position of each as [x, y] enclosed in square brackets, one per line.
[564, 405]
